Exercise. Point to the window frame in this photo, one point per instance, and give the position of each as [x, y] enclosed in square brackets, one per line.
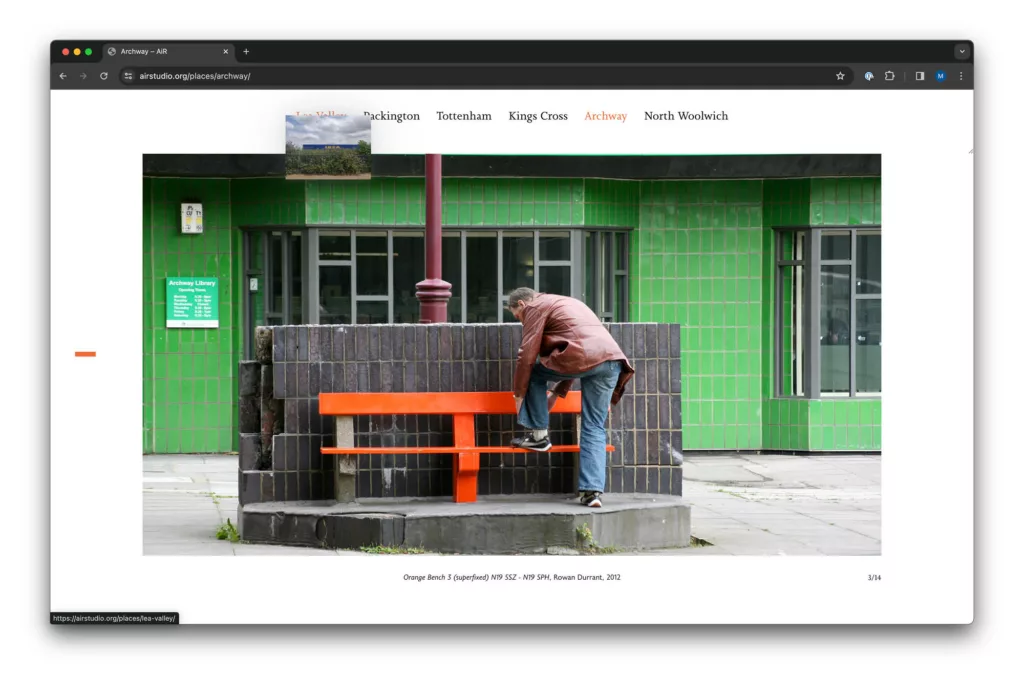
[597, 288]
[291, 238]
[616, 259]
[812, 264]
[801, 264]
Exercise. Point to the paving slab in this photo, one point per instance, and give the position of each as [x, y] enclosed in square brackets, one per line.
[817, 505]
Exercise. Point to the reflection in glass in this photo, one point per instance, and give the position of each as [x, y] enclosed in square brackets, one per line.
[792, 343]
[556, 280]
[409, 269]
[869, 263]
[335, 294]
[517, 261]
[835, 328]
[451, 271]
[619, 310]
[595, 260]
[372, 264]
[555, 246]
[869, 345]
[336, 247]
[798, 324]
[295, 271]
[786, 244]
[621, 252]
[371, 311]
[481, 277]
[792, 245]
[276, 279]
[835, 245]
[254, 265]
[588, 296]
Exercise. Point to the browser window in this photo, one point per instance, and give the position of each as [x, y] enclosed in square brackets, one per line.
[489, 320]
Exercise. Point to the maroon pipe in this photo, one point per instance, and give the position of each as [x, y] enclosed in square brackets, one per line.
[433, 292]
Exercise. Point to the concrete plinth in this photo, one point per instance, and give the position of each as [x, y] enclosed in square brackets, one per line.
[494, 525]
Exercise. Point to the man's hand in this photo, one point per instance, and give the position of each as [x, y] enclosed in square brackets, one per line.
[519, 403]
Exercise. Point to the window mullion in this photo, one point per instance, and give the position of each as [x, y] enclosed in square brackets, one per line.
[247, 334]
[609, 276]
[462, 271]
[355, 291]
[501, 275]
[779, 365]
[800, 311]
[391, 273]
[853, 313]
[813, 336]
[311, 277]
[286, 276]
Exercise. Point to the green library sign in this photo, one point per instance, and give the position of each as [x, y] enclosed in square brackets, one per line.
[192, 302]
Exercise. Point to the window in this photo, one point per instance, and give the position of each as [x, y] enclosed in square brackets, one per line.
[371, 277]
[409, 263]
[828, 310]
[482, 299]
[555, 263]
[274, 270]
[791, 327]
[536, 259]
[451, 259]
[605, 287]
[335, 277]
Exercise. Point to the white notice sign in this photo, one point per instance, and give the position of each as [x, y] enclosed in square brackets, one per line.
[191, 218]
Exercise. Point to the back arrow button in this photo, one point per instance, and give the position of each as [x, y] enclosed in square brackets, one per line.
[63, 76]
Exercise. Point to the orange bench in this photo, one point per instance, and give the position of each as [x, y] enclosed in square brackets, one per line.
[462, 406]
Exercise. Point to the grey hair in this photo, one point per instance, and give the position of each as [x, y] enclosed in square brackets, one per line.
[520, 294]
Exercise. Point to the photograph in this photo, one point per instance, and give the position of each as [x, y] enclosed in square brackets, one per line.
[513, 355]
[327, 146]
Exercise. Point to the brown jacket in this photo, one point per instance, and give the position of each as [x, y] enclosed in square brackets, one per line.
[569, 339]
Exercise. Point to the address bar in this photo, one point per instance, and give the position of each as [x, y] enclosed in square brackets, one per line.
[494, 76]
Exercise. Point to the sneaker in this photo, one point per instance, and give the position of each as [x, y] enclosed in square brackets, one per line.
[528, 442]
[591, 499]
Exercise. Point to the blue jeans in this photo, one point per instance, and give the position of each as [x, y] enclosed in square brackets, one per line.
[597, 384]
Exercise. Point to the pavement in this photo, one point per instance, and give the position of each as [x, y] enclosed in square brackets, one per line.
[741, 505]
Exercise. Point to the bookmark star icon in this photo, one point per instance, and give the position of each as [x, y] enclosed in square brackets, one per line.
[840, 75]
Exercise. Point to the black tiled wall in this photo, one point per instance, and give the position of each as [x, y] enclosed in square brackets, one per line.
[645, 427]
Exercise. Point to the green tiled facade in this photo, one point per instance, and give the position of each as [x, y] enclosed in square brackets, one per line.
[701, 255]
[268, 201]
[843, 202]
[838, 424]
[844, 425]
[189, 391]
[700, 258]
[474, 202]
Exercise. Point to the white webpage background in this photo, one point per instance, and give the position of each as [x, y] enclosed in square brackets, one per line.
[97, 143]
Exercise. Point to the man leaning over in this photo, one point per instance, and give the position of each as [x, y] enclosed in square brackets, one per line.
[563, 340]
